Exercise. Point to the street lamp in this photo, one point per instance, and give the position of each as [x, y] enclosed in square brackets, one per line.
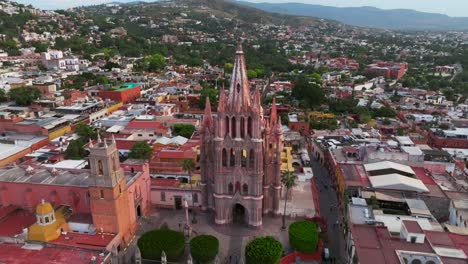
[189, 228]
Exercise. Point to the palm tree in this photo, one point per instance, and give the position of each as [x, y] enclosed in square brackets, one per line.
[188, 166]
[288, 179]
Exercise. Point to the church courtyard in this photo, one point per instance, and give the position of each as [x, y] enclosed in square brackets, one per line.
[234, 237]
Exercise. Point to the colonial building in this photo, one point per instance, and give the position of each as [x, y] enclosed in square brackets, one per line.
[240, 154]
[96, 209]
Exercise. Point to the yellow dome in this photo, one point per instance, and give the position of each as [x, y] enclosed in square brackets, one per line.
[44, 208]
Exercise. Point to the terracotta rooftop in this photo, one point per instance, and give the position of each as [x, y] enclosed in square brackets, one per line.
[15, 254]
[84, 241]
[165, 182]
[13, 222]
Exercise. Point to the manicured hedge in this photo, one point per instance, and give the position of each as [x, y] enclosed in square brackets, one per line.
[204, 248]
[263, 250]
[303, 236]
[152, 243]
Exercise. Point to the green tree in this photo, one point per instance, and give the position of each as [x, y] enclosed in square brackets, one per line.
[308, 91]
[25, 95]
[263, 250]
[155, 62]
[303, 236]
[85, 132]
[288, 179]
[184, 130]
[204, 248]
[141, 150]
[153, 243]
[251, 74]
[211, 93]
[3, 96]
[384, 111]
[75, 150]
[228, 67]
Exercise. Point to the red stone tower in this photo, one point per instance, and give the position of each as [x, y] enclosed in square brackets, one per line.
[240, 154]
[108, 192]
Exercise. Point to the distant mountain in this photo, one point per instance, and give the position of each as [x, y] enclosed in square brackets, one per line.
[369, 16]
[127, 3]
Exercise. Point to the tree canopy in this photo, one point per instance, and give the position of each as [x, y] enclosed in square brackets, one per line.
[85, 132]
[211, 93]
[204, 248]
[75, 150]
[263, 250]
[25, 95]
[308, 91]
[153, 243]
[303, 236]
[184, 130]
[141, 150]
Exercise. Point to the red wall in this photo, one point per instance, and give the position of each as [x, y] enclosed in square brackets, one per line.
[28, 195]
[124, 96]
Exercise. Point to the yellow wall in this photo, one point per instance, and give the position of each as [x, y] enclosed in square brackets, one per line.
[340, 182]
[59, 132]
[14, 157]
[47, 232]
[286, 159]
[320, 116]
[114, 108]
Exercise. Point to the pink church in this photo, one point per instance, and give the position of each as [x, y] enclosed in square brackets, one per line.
[240, 154]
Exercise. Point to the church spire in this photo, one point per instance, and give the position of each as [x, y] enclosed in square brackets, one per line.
[222, 100]
[239, 90]
[273, 114]
[207, 118]
[256, 105]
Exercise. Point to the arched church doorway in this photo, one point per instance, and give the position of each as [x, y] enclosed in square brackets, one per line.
[239, 214]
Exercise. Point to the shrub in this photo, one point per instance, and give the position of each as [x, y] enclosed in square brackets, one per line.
[204, 248]
[263, 250]
[303, 236]
[152, 243]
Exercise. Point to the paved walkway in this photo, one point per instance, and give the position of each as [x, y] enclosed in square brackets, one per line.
[330, 212]
[232, 238]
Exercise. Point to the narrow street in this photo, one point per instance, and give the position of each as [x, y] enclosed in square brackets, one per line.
[330, 212]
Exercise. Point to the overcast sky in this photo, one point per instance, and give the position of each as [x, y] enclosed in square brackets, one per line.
[449, 7]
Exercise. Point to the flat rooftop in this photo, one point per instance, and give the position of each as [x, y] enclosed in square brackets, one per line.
[19, 254]
[41, 175]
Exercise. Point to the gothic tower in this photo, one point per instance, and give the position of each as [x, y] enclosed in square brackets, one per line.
[240, 156]
[108, 191]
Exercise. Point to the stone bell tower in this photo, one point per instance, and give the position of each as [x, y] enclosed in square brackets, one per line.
[108, 191]
[240, 158]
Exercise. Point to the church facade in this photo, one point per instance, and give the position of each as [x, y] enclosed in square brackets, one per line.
[240, 154]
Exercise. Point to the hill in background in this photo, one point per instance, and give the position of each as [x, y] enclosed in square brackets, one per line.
[369, 16]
